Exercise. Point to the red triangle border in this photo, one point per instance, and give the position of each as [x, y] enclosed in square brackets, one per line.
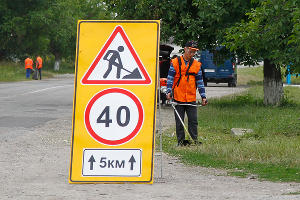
[117, 30]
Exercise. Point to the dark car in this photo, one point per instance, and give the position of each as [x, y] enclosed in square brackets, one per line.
[164, 66]
[164, 59]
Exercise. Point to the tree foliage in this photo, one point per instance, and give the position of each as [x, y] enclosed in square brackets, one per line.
[31, 27]
[18, 27]
[272, 32]
[201, 20]
[253, 29]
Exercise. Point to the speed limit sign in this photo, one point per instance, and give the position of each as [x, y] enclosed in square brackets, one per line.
[114, 116]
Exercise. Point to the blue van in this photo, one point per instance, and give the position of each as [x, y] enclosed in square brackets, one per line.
[223, 72]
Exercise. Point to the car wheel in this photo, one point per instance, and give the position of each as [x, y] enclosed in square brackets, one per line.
[232, 83]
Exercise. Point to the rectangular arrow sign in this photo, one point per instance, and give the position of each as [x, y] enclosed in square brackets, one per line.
[112, 162]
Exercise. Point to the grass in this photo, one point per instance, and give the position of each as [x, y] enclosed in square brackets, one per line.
[270, 152]
[250, 75]
[254, 76]
[292, 193]
[11, 71]
[66, 67]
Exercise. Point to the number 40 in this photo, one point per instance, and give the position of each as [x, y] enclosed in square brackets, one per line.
[104, 117]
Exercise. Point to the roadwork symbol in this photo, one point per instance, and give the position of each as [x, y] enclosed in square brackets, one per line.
[117, 63]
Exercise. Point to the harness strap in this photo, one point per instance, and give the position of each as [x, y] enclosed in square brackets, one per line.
[187, 71]
[179, 61]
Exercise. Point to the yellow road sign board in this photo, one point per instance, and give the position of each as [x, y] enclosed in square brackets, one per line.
[114, 102]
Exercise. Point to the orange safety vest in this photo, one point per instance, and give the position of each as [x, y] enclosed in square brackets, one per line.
[39, 62]
[184, 85]
[28, 63]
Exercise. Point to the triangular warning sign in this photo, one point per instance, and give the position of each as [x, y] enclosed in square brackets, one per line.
[117, 63]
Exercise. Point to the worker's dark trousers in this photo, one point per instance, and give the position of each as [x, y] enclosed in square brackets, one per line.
[40, 73]
[191, 112]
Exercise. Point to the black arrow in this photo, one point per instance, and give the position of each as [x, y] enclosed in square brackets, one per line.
[91, 160]
[131, 160]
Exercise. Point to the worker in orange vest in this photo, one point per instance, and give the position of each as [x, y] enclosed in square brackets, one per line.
[39, 65]
[183, 79]
[28, 66]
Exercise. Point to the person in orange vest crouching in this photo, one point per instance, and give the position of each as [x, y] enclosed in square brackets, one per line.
[28, 66]
[39, 65]
[184, 77]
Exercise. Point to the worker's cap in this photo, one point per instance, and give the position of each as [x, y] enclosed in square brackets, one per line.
[192, 45]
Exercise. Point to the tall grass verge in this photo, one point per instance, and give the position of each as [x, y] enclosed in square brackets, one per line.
[271, 151]
[250, 75]
[254, 76]
[11, 71]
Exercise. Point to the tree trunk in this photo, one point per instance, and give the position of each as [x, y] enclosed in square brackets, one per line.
[57, 62]
[2, 55]
[273, 87]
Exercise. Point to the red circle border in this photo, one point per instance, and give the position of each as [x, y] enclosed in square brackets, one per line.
[123, 140]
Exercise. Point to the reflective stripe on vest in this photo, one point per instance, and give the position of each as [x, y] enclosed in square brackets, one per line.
[28, 63]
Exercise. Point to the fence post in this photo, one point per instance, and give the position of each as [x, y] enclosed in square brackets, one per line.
[288, 77]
